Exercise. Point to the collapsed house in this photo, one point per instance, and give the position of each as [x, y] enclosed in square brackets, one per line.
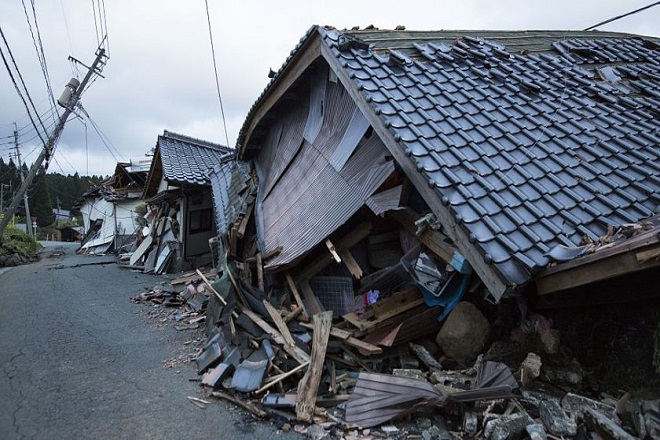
[110, 210]
[383, 176]
[526, 148]
[179, 220]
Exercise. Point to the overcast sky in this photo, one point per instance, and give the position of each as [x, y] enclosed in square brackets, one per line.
[160, 72]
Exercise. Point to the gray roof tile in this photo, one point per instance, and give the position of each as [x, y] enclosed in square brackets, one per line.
[530, 150]
[188, 160]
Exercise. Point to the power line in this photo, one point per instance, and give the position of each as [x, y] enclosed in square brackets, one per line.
[104, 139]
[215, 69]
[38, 46]
[18, 90]
[623, 15]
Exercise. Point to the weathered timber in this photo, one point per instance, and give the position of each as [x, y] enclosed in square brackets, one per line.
[308, 386]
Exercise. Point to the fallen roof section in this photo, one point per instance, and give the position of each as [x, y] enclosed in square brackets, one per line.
[518, 141]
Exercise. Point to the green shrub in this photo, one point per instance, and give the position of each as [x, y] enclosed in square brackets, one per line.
[15, 240]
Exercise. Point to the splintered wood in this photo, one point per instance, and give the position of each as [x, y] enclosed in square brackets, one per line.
[308, 387]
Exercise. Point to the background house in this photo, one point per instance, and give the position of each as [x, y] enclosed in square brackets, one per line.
[180, 207]
[110, 211]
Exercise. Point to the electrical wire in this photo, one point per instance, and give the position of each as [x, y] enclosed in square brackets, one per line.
[104, 139]
[18, 90]
[622, 16]
[215, 69]
[38, 46]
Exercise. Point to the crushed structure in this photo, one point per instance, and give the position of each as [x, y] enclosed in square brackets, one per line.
[384, 185]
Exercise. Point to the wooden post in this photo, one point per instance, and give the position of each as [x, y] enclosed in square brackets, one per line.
[308, 387]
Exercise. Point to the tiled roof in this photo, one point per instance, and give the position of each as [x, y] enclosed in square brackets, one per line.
[188, 160]
[526, 150]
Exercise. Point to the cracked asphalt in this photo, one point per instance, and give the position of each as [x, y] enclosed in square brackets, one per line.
[78, 360]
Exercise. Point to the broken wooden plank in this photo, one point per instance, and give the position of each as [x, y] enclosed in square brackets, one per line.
[310, 299]
[279, 323]
[242, 226]
[245, 405]
[295, 352]
[385, 309]
[260, 272]
[435, 241]
[350, 263]
[334, 331]
[191, 276]
[346, 242]
[333, 250]
[293, 314]
[296, 295]
[280, 377]
[308, 386]
[141, 250]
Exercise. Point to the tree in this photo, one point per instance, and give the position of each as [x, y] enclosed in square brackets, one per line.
[41, 205]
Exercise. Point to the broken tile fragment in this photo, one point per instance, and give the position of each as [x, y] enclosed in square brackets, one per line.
[208, 357]
[508, 426]
[555, 419]
[605, 426]
[536, 432]
[470, 423]
[577, 405]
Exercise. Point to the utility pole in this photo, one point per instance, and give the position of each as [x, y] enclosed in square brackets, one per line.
[28, 218]
[49, 147]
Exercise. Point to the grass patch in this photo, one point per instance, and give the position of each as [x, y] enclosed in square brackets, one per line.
[16, 241]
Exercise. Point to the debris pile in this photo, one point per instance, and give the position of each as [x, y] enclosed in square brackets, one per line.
[367, 376]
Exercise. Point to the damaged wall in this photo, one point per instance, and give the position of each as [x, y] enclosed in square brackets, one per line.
[318, 165]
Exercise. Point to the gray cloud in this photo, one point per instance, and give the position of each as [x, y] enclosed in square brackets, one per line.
[160, 73]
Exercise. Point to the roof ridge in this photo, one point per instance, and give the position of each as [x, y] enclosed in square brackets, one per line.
[192, 140]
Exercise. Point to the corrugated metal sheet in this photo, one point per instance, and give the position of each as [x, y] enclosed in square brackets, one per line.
[385, 201]
[356, 129]
[311, 199]
[230, 185]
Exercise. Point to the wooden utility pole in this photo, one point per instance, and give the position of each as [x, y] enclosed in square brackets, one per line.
[52, 140]
[28, 218]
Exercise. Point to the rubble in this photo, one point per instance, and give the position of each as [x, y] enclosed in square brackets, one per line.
[464, 333]
[555, 419]
[605, 426]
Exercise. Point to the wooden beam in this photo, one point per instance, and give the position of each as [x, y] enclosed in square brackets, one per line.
[333, 251]
[434, 240]
[295, 352]
[310, 299]
[602, 269]
[260, 273]
[350, 263]
[293, 314]
[279, 323]
[296, 295]
[304, 57]
[309, 385]
[280, 377]
[386, 309]
[242, 226]
[347, 337]
[346, 242]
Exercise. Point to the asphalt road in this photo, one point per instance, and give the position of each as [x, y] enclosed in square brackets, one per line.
[80, 361]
